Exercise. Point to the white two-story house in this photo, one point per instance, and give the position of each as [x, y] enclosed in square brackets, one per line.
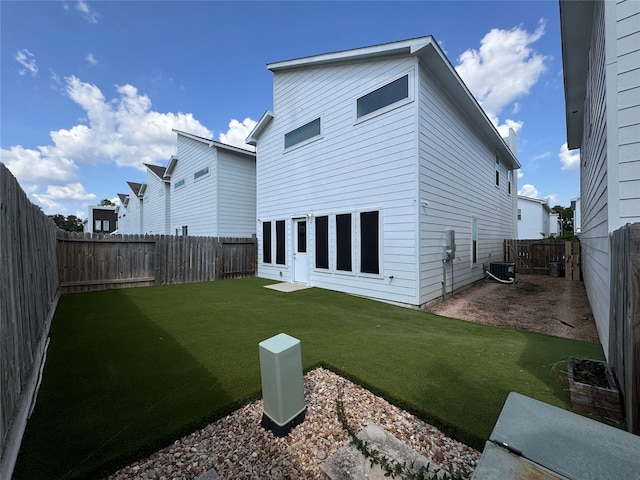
[378, 174]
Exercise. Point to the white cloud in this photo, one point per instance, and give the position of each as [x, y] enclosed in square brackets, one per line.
[89, 14]
[528, 190]
[570, 159]
[552, 199]
[123, 131]
[55, 196]
[520, 174]
[541, 156]
[503, 70]
[91, 59]
[238, 132]
[25, 58]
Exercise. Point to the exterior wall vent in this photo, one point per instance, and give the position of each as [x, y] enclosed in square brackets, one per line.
[282, 384]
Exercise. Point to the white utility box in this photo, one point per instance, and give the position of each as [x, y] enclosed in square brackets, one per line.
[282, 383]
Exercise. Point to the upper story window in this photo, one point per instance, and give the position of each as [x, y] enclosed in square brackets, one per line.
[178, 184]
[201, 173]
[303, 133]
[384, 96]
[497, 171]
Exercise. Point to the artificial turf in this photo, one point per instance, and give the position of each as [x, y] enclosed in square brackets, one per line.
[129, 371]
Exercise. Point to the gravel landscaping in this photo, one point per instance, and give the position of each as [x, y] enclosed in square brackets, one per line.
[237, 447]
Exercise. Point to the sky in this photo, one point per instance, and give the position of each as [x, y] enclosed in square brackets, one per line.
[91, 90]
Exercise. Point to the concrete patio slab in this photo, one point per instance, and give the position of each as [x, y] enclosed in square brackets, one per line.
[287, 287]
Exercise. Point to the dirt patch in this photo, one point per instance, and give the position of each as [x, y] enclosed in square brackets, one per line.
[535, 303]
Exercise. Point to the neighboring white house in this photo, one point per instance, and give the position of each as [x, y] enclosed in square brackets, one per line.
[601, 65]
[536, 220]
[577, 212]
[374, 163]
[213, 188]
[130, 209]
[156, 205]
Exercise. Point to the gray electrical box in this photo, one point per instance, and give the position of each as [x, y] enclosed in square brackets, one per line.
[449, 250]
[282, 383]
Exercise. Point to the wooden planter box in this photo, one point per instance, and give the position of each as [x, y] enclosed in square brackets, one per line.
[590, 398]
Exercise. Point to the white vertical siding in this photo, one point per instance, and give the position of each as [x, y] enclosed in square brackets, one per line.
[594, 180]
[195, 204]
[354, 166]
[236, 194]
[457, 179]
[154, 205]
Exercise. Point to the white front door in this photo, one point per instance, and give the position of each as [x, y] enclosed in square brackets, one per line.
[300, 264]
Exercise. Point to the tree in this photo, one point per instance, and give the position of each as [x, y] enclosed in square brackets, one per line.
[106, 203]
[566, 220]
[70, 223]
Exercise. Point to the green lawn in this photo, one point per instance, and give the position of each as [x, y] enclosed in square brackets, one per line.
[128, 371]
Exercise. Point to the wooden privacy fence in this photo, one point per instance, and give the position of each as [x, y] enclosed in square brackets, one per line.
[96, 262]
[624, 319]
[29, 292]
[536, 256]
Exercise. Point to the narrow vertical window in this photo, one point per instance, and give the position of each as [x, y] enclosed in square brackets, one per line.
[519, 214]
[509, 179]
[474, 241]
[369, 242]
[497, 172]
[280, 250]
[266, 242]
[105, 225]
[343, 242]
[97, 226]
[302, 236]
[322, 242]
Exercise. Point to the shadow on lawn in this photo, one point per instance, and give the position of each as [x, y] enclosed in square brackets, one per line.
[116, 387]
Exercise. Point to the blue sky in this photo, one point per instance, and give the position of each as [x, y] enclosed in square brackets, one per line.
[90, 91]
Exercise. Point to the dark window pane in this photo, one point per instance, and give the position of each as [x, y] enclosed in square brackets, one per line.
[380, 98]
[300, 134]
[369, 242]
[266, 242]
[343, 242]
[280, 242]
[322, 242]
[302, 237]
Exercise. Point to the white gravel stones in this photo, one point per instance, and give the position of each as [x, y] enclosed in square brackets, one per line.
[237, 447]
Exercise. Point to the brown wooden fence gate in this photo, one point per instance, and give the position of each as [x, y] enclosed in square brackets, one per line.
[538, 256]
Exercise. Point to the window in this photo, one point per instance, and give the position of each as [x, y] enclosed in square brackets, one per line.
[266, 242]
[474, 241]
[280, 249]
[369, 242]
[343, 242]
[497, 172]
[300, 134]
[519, 214]
[302, 236]
[178, 184]
[391, 93]
[97, 225]
[105, 225]
[185, 230]
[201, 173]
[509, 179]
[322, 242]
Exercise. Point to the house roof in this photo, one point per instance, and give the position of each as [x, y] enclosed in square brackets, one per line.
[543, 202]
[157, 170]
[575, 30]
[122, 197]
[264, 121]
[213, 143]
[430, 53]
[135, 187]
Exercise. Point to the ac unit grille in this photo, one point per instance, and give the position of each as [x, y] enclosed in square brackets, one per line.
[503, 270]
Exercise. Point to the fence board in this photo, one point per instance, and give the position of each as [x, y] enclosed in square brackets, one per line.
[624, 319]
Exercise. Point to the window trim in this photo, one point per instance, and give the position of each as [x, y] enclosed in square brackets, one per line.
[283, 224]
[179, 184]
[337, 270]
[306, 141]
[475, 237]
[267, 248]
[201, 173]
[497, 167]
[410, 74]
[509, 181]
[379, 253]
[315, 244]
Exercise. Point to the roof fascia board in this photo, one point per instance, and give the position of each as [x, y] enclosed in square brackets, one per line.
[263, 123]
[173, 161]
[213, 143]
[357, 54]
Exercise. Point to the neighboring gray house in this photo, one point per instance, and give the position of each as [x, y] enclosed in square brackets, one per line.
[213, 188]
[601, 60]
[536, 220]
[372, 163]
